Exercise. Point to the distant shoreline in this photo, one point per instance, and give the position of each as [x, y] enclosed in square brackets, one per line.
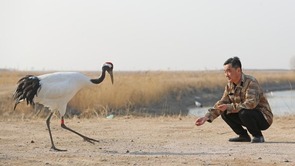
[170, 106]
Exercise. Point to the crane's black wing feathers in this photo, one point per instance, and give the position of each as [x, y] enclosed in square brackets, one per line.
[27, 89]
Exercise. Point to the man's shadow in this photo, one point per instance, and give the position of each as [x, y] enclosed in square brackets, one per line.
[279, 142]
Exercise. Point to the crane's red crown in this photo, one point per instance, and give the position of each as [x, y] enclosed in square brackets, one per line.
[109, 64]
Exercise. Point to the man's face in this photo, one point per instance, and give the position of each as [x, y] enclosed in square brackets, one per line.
[233, 75]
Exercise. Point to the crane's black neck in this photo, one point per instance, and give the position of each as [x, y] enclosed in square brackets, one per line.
[100, 79]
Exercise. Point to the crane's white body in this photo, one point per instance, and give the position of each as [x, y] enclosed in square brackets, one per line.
[57, 89]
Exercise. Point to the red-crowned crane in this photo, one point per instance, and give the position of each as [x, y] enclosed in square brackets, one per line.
[55, 90]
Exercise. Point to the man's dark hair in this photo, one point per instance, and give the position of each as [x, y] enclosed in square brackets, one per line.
[235, 62]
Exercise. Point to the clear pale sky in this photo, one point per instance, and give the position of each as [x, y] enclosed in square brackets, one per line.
[146, 34]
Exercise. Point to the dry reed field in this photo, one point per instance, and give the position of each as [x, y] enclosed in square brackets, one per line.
[134, 90]
[139, 139]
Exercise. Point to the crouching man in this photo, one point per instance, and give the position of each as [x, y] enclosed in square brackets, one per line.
[243, 105]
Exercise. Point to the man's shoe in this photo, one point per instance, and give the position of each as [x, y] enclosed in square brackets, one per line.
[241, 138]
[259, 139]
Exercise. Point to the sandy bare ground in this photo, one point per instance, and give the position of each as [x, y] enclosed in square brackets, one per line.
[142, 141]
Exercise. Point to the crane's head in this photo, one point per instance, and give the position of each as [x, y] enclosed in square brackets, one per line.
[108, 66]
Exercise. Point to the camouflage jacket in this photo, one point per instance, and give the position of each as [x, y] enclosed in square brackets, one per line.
[246, 95]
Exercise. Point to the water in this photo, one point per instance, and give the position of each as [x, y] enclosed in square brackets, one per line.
[281, 102]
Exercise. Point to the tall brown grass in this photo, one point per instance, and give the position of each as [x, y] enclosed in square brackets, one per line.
[132, 89]
[142, 88]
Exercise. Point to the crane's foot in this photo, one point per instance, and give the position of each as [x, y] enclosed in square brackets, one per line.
[53, 148]
[90, 140]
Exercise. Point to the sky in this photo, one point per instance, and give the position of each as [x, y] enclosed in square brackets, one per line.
[141, 35]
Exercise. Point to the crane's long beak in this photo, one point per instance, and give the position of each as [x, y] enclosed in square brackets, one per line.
[112, 77]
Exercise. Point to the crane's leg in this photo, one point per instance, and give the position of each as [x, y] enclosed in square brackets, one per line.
[90, 140]
[48, 126]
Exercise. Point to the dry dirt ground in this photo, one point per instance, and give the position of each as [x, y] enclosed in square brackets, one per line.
[142, 141]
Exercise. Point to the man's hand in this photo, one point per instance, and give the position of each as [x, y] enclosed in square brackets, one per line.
[201, 121]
